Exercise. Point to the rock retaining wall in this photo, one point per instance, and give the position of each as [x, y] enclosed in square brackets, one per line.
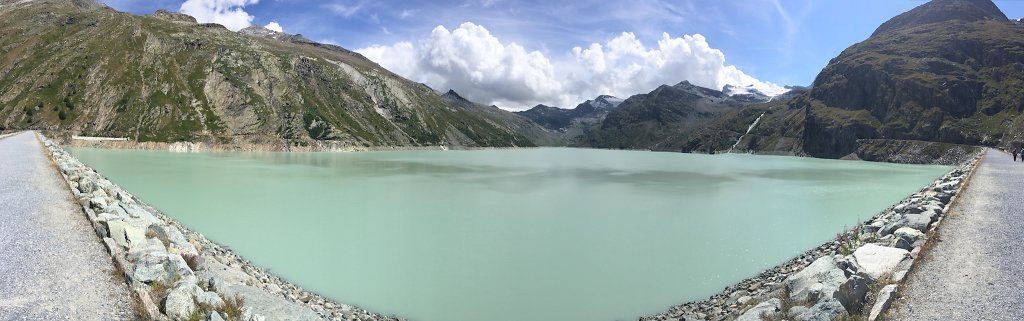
[178, 274]
[857, 274]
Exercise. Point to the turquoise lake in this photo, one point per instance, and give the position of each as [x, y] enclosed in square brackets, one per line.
[512, 235]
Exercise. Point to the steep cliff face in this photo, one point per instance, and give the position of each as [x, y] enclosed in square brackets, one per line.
[81, 67]
[947, 71]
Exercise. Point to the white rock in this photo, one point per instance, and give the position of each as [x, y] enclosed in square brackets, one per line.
[879, 261]
[271, 307]
[821, 279]
[180, 268]
[883, 301]
[211, 299]
[103, 217]
[179, 304]
[177, 243]
[906, 237]
[743, 300]
[824, 310]
[125, 234]
[274, 288]
[151, 245]
[115, 228]
[98, 202]
[136, 211]
[86, 185]
[152, 267]
[772, 306]
[222, 275]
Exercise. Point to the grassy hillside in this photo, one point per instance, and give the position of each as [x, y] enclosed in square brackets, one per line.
[83, 68]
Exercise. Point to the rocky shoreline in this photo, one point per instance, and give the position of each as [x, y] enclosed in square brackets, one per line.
[855, 275]
[177, 274]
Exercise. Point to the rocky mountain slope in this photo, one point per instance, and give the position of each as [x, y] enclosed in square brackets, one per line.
[79, 67]
[572, 125]
[505, 119]
[664, 118]
[949, 72]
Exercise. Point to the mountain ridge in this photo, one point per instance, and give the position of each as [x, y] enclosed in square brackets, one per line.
[72, 66]
[939, 78]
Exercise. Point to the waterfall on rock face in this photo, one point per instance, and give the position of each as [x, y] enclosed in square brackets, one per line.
[749, 128]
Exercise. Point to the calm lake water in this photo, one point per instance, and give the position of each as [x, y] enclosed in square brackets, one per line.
[511, 235]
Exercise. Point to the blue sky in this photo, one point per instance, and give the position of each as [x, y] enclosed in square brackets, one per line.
[779, 42]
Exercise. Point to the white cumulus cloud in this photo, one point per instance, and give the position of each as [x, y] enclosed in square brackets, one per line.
[230, 13]
[475, 63]
[625, 66]
[273, 25]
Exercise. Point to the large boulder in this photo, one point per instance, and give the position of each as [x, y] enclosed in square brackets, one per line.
[86, 185]
[220, 276]
[916, 221]
[852, 293]
[211, 299]
[153, 267]
[177, 243]
[770, 307]
[824, 310]
[125, 234]
[151, 245]
[98, 202]
[179, 304]
[138, 212]
[272, 307]
[180, 269]
[821, 279]
[883, 301]
[879, 261]
[907, 238]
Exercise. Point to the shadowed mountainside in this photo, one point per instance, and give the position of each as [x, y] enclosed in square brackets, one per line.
[948, 71]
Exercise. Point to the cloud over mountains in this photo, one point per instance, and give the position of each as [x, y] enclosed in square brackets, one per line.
[229, 13]
[481, 67]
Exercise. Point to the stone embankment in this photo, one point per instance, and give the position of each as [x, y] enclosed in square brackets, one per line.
[177, 274]
[856, 275]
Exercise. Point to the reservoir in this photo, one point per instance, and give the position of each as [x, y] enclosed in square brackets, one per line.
[511, 235]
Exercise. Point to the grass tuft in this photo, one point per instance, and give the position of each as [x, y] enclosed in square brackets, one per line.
[232, 307]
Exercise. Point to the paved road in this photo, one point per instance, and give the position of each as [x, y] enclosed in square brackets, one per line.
[52, 264]
[976, 272]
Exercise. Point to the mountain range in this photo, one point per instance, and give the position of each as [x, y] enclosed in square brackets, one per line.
[945, 74]
[80, 67]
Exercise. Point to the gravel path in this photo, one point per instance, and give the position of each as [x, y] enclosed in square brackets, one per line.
[52, 264]
[976, 271]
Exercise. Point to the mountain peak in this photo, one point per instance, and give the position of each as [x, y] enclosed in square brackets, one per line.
[686, 86]
[943, 10]
[606, 102]
[260, 31]
[174, 16]
[451, 94]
